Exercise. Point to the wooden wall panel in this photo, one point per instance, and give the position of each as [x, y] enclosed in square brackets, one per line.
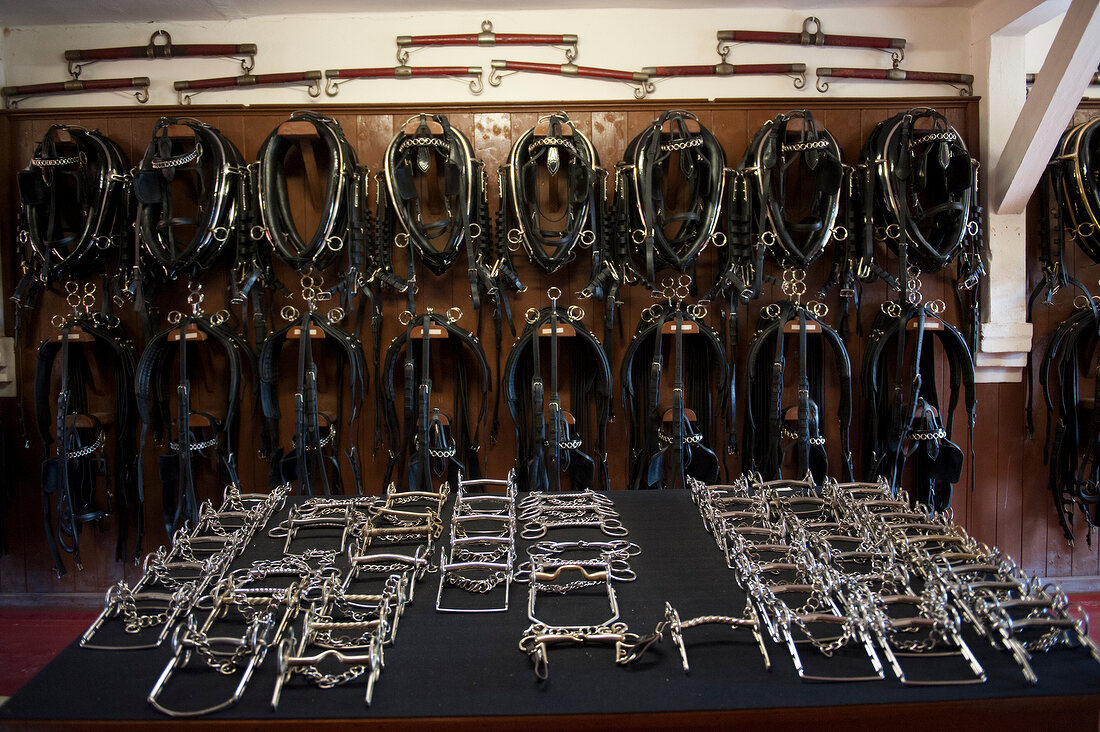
[1007, 505]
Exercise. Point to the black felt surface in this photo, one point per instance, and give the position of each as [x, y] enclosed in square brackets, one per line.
[448, 664]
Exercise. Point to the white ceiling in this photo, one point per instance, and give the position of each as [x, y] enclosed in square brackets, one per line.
[17, 13]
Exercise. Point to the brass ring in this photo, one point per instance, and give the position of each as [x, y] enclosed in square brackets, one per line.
[531, 315]
[404, 317]
[289, 312]
[575, 312]
[454, 314]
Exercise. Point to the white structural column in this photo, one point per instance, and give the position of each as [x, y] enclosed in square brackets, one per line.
[1018, 129]
[1006, 336]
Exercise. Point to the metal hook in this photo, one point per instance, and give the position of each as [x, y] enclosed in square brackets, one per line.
[332, 84]
[799, 78]
[822, 86]
[314, 89]
[495, 77]
[475, 84]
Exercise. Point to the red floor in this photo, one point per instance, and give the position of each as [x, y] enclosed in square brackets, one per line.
[29, 639]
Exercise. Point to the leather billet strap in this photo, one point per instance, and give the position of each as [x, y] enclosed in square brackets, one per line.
[793, 139]
[334, 233]
[519, 378]
[659, 239]
[465, 350]
[211, 163]
[74, 470]
[155, 395]
[88, 174]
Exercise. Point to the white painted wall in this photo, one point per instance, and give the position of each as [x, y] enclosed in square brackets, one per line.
[1038, 43]
[938, 40]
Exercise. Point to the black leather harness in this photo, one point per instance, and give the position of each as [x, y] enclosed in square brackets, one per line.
[666, 448]
[556, 437]
[903, 414]
[214, 168]
[920, 196]
[420, 440]
[308, 463]
[1072, 447]
[75, 206]
[177, 467]
[657, 238]
[767, 439]
[72, 476]
[465, 225]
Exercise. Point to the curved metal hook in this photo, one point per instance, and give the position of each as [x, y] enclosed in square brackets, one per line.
[799, 79]
[476, 85]
[248, 63]
[332, 85]
[723, 48]
[822, 86]
[644, 88]
[314, 89]
[142, 95]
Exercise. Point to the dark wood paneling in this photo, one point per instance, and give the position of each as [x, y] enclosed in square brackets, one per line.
[1007, 505]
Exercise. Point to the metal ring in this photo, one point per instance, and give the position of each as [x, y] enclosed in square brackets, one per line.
[454, 314]
[473, 226]
[972, 228]
[334, 247]
[698, 311]
[58, 321]
[404, 317]
[840, 233]
[220, 233]
[1083, 231]
[175, 317]
[257, 232]
[531, 315]
[634, 235]
[401, 240]
[587, 238]
[718, 238]
[575, 312]
[767, 238]
[684, 280]
[102, 242]
[553, 293]
[771, 312]
[219, 317]
[289, 312]
[893, 231]
[335, 315]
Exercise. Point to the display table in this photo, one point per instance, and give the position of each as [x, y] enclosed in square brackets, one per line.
[466, 670]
